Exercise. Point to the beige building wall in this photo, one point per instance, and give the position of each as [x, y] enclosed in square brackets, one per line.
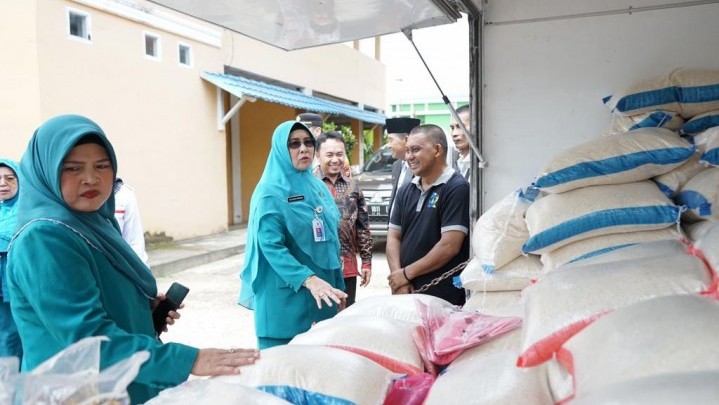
[19, 77]
[162, 118]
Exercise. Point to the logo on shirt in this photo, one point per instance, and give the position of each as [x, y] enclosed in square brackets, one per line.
[295, 198]
[432, 200]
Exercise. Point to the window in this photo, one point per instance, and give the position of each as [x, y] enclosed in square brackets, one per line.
[78, 24]
[184, 54]
[152, 46]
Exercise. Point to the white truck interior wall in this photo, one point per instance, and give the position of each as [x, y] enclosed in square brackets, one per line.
[544, 81]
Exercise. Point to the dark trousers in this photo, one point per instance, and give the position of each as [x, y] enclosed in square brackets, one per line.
[351, 289]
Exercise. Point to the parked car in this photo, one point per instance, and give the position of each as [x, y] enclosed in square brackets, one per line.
[375, 179]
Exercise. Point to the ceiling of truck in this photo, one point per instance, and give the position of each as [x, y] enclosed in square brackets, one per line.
[297, 24]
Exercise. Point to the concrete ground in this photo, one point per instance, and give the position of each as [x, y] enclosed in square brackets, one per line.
[211, 317]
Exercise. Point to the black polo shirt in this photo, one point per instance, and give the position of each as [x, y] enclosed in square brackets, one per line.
[422, 217]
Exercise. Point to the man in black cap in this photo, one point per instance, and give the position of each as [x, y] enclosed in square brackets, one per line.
[397, 131]
[312, 121]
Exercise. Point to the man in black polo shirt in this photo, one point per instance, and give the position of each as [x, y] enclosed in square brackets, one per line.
[429, 225]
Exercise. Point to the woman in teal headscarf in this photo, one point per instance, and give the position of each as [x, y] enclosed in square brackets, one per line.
[292, 264]
[9, 183]
[71, 275]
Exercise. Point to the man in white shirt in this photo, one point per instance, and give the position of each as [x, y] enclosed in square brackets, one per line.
[127, 215]
[460, 140]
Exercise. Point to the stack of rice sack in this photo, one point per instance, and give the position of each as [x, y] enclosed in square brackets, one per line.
[669, 101]
[649, 341]
[498, 271]
[598, 196]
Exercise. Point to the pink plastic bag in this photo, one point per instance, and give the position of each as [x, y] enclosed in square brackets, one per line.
[410, 390]
[446, 332]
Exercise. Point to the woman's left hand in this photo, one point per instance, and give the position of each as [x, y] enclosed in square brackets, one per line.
[172, 315]
[323, 291]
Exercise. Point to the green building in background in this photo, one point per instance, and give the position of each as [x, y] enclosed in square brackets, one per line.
[429, 112]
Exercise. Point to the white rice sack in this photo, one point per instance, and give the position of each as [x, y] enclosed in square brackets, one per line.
[671, 182]
[214, 392]
[701, 196]
[695, 231]
[654, 119]
[500, 232]
[401, 307]
[688, 91]
[513, 276]
[497, 303]
[490, 379]
[701, 123]
[388, 342]
[613, 159]
[699, 387]
[557, 220]
[599, 245]
[659, 248]
[565, 301]
[316, 375]
[708, 244]
[672, 334]
[708, 143]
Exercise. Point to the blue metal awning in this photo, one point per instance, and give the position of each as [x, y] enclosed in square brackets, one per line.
[243, 87]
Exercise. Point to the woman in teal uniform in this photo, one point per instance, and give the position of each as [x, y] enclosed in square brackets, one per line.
[72, 276]
[9, 183]
[292, 276]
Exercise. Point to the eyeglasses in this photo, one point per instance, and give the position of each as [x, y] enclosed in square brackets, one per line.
[296, 143]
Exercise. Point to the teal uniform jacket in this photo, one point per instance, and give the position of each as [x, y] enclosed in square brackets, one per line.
[62, 297]
[282, 251]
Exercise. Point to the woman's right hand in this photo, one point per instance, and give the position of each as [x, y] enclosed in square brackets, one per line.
[323, 291]
[212, 362]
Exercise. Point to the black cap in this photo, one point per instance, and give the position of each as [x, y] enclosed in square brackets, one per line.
[310, 119]
[401, 125]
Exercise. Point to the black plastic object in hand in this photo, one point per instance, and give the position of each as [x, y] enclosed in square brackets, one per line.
[173, 298]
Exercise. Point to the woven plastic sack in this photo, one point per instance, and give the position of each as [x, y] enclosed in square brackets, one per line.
[316, 375]
[514, 276]
[499, 303]
[599, 245]
[401, 307]
[708, 244]
[671, 182]
[565, 301]
[654, 119]
[695, 231]
[214, 392]
[673, 334]
[614, 159]
[557, 220]
[387, 342]
[708, 143]
[500, 232]
[700, 195]
[490, 379]
[689, 91]
[697, 387]
[701, 123]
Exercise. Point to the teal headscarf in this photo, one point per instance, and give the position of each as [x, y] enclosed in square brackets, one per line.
[8, 208]
[279, 184]
[41, 196]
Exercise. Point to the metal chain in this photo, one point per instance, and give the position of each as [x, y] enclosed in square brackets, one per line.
[444, 276]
